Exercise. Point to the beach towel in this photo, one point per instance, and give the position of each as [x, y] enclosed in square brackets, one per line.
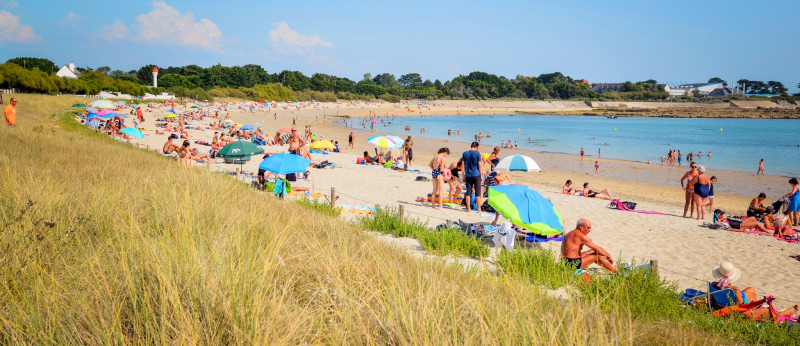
[617, 204]
[505, 237]
[730, 310]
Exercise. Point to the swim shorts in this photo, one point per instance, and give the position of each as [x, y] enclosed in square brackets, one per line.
[573, 262]
[473, 186]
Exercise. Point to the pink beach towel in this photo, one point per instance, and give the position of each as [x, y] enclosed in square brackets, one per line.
[621, 206]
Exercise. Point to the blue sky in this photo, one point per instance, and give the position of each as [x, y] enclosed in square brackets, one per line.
[602, 41]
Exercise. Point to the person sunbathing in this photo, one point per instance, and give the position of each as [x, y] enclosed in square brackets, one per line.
[780, 224]
[568, 189]
[727, 274]
[366, 159]
[756, 207]
[588, 192]
[197, 156]
[185, 154]
[741, 226]
[574, 242]
[169, 147]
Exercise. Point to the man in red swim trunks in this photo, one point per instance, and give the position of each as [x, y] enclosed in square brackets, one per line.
[573, 244]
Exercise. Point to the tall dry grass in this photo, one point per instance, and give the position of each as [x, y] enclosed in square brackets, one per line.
[104, 243]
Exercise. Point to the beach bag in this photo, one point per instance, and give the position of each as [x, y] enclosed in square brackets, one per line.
[630, 205]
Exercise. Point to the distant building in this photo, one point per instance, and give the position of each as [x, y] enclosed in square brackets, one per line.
[582, 81]
[68, 71]
[604, 87]
[724, 91]
[687, 89]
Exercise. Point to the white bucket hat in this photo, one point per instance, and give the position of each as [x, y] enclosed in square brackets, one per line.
[727, 271]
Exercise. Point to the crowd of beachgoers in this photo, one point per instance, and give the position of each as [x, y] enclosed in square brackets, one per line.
[456, 183]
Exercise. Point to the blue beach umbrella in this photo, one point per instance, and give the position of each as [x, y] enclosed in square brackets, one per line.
[130, 131]
[518, 163]
[246, 128]
[284, 163]
[526, 208]
[92, 115]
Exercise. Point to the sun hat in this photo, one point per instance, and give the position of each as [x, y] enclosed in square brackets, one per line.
[726, 270]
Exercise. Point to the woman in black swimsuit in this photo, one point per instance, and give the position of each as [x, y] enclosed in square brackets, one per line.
[455, 182]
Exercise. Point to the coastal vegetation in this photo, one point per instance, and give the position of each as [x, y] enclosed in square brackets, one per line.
[107, 243]
[253, 82]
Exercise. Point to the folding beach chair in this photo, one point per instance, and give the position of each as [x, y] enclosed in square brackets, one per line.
[720, 298]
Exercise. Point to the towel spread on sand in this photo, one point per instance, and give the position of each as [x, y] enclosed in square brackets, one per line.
[621, 206]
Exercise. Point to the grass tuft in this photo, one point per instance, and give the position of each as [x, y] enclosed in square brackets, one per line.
[321, 207]
[453, 241]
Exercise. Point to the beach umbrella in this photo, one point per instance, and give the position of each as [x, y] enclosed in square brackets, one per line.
[285, 130]
[119, 103]
[171, 111]
[228, 121]
[104, 104]
[385, 142]
[170, 116]
[134, 106]
[79, 105]
[104, 112]
[518, 163]
[91, 109]
[246, 128]
[92, 115]
[240, 149]
[284, 163]
[323, 144]
[193, 107]
[526, 208]
[130, 131]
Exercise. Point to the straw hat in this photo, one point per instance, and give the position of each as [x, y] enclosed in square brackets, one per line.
[727, 269]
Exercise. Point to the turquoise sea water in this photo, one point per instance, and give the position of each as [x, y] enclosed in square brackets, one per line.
[735, 144]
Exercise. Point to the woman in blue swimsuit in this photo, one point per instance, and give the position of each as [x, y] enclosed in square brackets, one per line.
[794, 202]
[701, 184]
[437, 166]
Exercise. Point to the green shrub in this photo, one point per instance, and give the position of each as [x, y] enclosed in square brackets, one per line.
[537, 265]
[448, 241]
[387, 220]
[321, 207]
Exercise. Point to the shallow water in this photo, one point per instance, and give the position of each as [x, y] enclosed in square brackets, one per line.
[735, 144]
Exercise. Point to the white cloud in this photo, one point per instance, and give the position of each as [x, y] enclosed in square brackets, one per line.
[166, 24]
[327, 60]
[289, 40]
[12, 30]
[115, 31]
[71, 19]
[8, 4]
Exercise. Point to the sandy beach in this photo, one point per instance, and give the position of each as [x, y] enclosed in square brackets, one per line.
[686, 251]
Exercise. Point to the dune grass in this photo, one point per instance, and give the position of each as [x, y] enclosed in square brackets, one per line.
[105, 243]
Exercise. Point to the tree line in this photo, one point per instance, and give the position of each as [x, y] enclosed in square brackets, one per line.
[254, 82]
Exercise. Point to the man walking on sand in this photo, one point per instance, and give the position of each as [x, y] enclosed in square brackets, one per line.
[11, 112]
[473, 166]
[573, 244]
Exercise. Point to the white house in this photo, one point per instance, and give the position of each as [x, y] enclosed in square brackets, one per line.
[68, 71]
